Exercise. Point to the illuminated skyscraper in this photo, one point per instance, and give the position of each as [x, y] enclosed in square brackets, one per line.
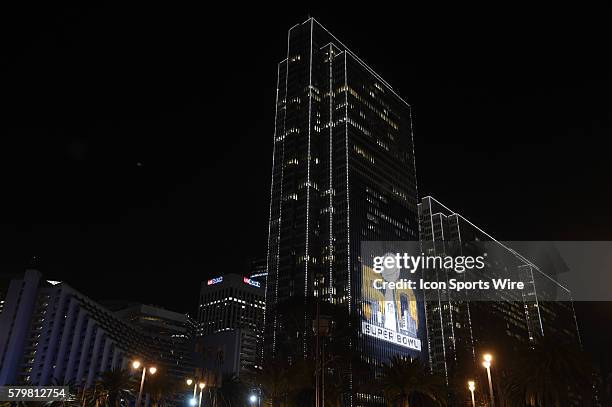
[343, 172]
[230, 320]
[51, 333]
[460, 328]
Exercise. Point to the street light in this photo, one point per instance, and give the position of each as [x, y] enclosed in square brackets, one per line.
[254, 398]
[152, 369]
[472, 387]
[193, 401]
[487, 364]
[202, 386]
[195, 388]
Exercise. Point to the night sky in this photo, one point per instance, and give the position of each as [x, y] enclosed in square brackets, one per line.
[137, 141]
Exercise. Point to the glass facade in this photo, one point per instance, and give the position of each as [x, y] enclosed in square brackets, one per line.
[460, 328]
[343, 172]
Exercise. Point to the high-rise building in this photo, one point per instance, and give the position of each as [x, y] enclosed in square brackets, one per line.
[343, 172]
[230, 321]
[51, 333]
[171, 336]
[459, 328]
[258, 272]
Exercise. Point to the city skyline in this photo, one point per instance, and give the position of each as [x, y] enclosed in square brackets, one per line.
[96, 219]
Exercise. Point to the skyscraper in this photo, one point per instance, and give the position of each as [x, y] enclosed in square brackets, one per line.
[343, 172]
[459, 327]
[230, 319]
[51, 333]
[170, 336]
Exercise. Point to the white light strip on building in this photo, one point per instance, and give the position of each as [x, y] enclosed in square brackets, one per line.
[520, 256]
[307, 253]
[271, 187]
[433, 239]
[280, 204]
[330, 251]
[360, 62]
[348, 217]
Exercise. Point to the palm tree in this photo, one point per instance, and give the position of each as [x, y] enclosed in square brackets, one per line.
[92, 396]
[408, 382]
[293, 383]
[115, 384]
[233, 391]
[273, 381]
[161, 389]
[72, 397]
[546, 375]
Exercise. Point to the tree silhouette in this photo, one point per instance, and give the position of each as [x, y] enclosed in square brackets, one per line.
[161, 389]
[115, 384]
[547, 375]
[233, 391]
[408, 382]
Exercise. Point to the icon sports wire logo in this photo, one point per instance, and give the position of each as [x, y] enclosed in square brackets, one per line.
[404, 261]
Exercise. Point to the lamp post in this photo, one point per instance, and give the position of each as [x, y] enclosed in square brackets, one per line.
[195, 388]
[254, 398]
[152, 369]
[472, 387]
[202, 386]
[487, 364]
[321, 326]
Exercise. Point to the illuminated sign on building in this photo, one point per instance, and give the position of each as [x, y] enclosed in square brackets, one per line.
[251, 282]
[389, 315]
[390, 336]
[214, 281]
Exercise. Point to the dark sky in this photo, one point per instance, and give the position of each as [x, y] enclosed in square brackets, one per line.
[136, 143]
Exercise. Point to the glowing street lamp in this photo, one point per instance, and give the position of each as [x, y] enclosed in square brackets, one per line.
[255, 399]
[472, 387]
[202, 385]
[152, 369]
[487, 364]
[193, 401]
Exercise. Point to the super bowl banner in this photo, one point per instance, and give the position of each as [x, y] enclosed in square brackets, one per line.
[390, 315]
